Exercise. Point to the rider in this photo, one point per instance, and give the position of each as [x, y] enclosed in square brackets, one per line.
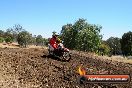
[56, 44]
[59, 44]
[52, 42]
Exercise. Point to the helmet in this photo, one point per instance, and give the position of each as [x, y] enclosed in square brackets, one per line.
[55, 35]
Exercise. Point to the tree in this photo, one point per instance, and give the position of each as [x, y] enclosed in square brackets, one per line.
[46, 41]
[9, 30]
[126, 43]
[1, 36]
[23, 38]
[114, 44]
[67, 35]
[39, 40]
[17, 28]
[32, 40]
[1, 33]
[81, 36]
[89, 38]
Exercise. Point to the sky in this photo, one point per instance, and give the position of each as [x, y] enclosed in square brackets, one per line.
[45, 16]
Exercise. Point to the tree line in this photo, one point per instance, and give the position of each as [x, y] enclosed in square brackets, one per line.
[23, 37]
[80, 35]
[84, 36]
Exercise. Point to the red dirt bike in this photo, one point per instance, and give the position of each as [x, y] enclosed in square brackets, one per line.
[62, 53]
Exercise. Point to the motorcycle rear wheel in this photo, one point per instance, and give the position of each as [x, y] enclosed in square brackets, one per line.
[66, 56]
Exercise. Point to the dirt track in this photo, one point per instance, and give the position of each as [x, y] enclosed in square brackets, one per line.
[31, 68]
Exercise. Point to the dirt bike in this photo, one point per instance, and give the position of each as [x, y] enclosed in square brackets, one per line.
[62, 53]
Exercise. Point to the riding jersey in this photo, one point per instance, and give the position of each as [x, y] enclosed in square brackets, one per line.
[53, 43]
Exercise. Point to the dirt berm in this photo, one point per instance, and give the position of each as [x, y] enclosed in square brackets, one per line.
[32, 68]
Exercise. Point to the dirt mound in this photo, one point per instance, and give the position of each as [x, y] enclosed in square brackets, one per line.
[32, 68]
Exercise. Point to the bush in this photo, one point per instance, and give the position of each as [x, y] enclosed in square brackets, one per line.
[24, 38]
[1, 39]
[104, 49]
[8, 39]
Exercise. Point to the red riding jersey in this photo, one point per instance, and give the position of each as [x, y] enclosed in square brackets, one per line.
[53, 43]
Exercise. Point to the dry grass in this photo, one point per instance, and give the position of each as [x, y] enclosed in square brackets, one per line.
[16, 45]
[113, 58]
[117, 58]
[5, 45]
